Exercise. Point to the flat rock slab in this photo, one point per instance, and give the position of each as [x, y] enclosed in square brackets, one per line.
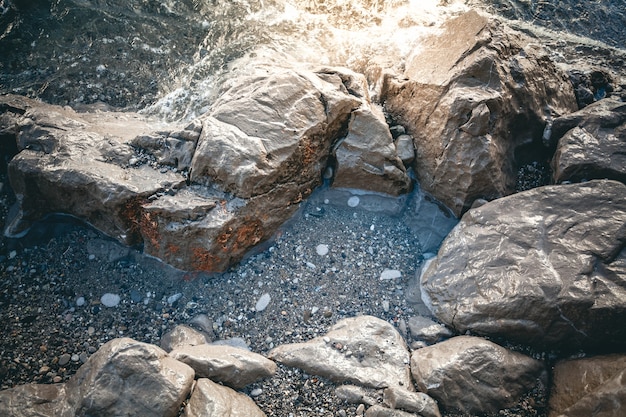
[226, 364]
[362, 350]
[589, 387]
[544, 267]
[209, 399]
[473, 375]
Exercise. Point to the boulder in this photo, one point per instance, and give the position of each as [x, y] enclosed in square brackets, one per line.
[474, 376]
[470, 108]
[35, 400]
[543, 267]
[414, 402]
[424, 329]
[182, 335]
[362, 350]
[209, 399]
[226, 364]
[591, 143]
[126, 377]
[367, 158]
[587, 387]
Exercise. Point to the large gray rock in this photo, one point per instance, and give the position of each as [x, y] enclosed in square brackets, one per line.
[126, 377]
[468, 109]
[414, 402]
[226, 364]
[367, 158]
[35, 400]
[589, 387]
[542, 267]
[473, 375]
[362, 350]
[592, 143]
[209, 399]
[182, 335]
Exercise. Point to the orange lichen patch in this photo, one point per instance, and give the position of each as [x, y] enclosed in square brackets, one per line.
[150, 230]
[249, 234]
[172, 249]
[203, 260]
[130, 215]
[309, 151]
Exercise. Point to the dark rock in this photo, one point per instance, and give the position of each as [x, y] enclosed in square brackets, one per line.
[473, 375]
[542, 267]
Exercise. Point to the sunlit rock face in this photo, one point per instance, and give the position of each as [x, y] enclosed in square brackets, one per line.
[470, 107]
[543, 267]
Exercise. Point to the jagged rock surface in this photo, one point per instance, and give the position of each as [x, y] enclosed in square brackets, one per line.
[591, 143]
[473, 375]
[468, 109]
[542, 267]
[362, 350]
[593, 386]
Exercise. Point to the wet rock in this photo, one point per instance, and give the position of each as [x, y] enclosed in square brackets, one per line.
[594, 143]
[589, 387]
[423, 328]
[473, 375]
[405, 149]
[34, 400]
[470, 108]
[226, 364]
[129, 377]
[209, 399]
[353, 394]
[542, 267]
[182, 335]
[367, 158]
[380, 411]
[362, 350]
[414, 402]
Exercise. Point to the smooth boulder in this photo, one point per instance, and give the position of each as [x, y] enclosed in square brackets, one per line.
[543, 267]
[468, 109]
[472, 375]
[362, 350]
[182, 335]
[209, 399]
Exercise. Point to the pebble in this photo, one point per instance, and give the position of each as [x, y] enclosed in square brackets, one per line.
[354, 201]
[75, 358]
[321, 249]
[136, 296]
[173, 298]
[385, 306]
[110, 300]
[263, 302]
[57, 379]
[80, 301]
[256, 392]
[12, 254]
[360, 410]
[92, 257]
[390, 274]
[311, 265]
[64, 359]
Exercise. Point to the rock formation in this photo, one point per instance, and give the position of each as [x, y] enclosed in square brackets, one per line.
[469, 109]
[542, 267]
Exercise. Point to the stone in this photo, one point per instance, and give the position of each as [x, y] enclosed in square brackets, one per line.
[209, 399]
[110, 300]
[388, 274]
[367, 158]
[42, 400]
[262, 302]
[470, 108]
[182, 335]
[361, 350]
[413, 402]
[591, 386]
[427, 330]
[543, 267]
[126, 377]
[353, 394]
[229, 365]
[405, 149]
[591, 143]
[380, 411]
[474, 376]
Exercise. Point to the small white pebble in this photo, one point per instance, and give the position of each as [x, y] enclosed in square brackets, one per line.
[390, 274]
[321, 250]
[92, 257]
[12, 254]
[354, 201]
[80, 301]
[256, 392]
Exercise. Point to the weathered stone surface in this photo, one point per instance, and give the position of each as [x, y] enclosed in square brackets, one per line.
[353, 394]
[543, 267]
[380, 411]
[126, 377]
[592, 143]
[405, 149]
[469, 108]
[589, 387]
[367, 158]
[226, 364]
[473, 375]
[414, 402]
[182, 335]
[34, 400]
[363, 350]
[423, 328]
[209, 399]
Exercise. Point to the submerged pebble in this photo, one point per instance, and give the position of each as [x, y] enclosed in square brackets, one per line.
[110, 300]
